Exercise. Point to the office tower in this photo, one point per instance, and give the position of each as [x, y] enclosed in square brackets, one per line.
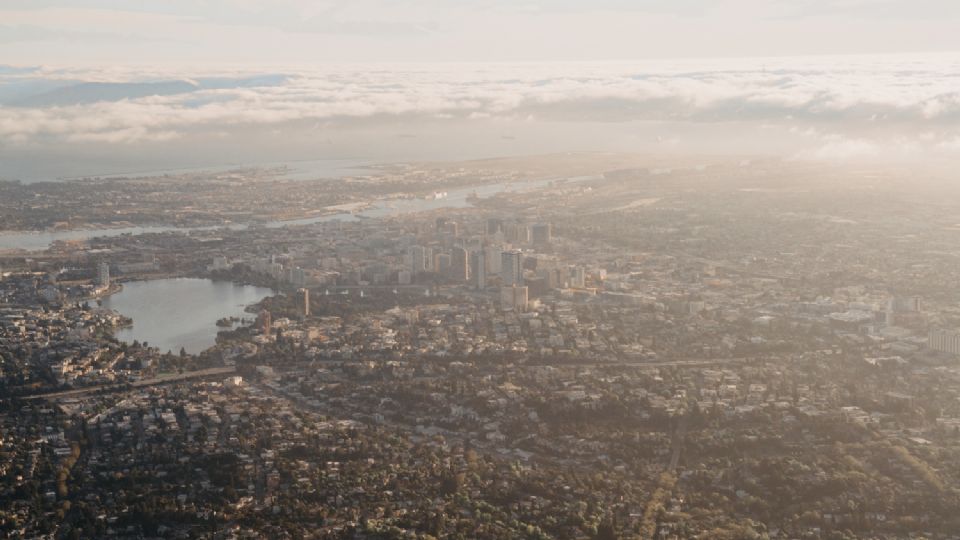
[304, 300]
[541, 234]
[276, 270]
[103, 274]
[514, 298]
[536, 286]
[480, 269]
[563, 276]
[517, 233]
[298, 276]
[441, 263]
[428, 262]
[418, 263]
[549, 277]
[536, 262]
[492, 257]
[458, 264]
[511, 268]
[578, 277]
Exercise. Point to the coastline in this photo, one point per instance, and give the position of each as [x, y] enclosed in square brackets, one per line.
[114, 288]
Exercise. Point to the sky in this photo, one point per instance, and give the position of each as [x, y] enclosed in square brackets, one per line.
[100, 86]
[175, 32]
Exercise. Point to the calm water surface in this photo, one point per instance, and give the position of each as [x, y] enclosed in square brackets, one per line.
[181, 312]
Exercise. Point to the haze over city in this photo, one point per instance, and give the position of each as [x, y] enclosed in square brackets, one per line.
[450, 269]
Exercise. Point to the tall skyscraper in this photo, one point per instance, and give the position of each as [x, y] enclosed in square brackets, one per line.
[451, 228]
[480, 269]
[517, 232]
[418, 264]
[298, 276]
[511, 268]
[493, 258]
[459, 264]
[541, 234]
[441, 263]
[428, 261]
[304, 300]
[578, 277]
[103, 274]
[276, 270]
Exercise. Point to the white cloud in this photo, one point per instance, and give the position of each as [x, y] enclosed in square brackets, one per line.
[807, 97]
[839, 148]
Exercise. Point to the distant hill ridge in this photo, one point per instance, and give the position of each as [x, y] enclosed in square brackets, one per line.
[94, 92]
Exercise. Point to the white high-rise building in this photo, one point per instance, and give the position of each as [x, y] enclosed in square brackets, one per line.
[103, 274]
[304, 302]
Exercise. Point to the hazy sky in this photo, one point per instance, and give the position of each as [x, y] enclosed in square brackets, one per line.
[95, 32]
[99, 86]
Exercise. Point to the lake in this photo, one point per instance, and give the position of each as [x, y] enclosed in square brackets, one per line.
[180, 312]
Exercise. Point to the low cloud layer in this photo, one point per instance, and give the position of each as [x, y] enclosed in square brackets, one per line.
[849, 106]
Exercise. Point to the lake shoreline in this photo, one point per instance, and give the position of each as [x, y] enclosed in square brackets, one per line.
[181, 312]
